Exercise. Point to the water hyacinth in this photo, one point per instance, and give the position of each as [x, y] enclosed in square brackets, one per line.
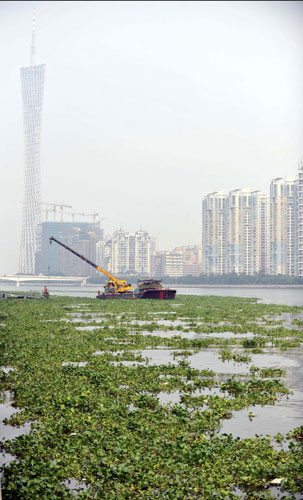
[121, 411]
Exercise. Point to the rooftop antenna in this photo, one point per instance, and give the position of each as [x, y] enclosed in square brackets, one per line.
[33, 45]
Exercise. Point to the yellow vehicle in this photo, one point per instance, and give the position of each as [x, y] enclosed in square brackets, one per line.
[113, 286]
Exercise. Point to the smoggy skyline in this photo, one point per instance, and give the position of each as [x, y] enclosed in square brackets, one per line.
[150, 105]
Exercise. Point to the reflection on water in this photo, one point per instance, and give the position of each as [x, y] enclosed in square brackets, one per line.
[208, 358]
[283, 416]
[268, 420]
[174, 397]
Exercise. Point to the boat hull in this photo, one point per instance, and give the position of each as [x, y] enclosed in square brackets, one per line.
[161, 294]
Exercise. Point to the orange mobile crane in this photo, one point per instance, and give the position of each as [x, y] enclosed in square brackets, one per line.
[114, 287]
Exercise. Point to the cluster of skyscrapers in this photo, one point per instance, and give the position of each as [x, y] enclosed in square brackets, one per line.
[247, 232]
[136, 253]
[123, 253]
[243, 231]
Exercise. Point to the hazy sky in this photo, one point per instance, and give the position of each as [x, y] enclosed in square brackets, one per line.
[150, 105]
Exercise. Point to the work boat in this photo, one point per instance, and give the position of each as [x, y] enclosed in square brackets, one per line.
[153, 289]
[120, 289]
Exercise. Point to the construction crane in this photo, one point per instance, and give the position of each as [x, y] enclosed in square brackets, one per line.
[47, 210]
[94, 215]
[113, 286]
[75, 213]
[55, 205]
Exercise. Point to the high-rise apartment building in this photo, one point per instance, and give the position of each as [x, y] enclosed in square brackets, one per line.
[103, 254]
[283, 225]
[120, 252]
[69, 264]
[100, 253]
[131, 252]
[214, 233]
[299, 223]
[246, 232]
[142, 252]
[173, 263]
[260, 227]
[32, 84]
[247, 222]
[167, 263]
[235, 232]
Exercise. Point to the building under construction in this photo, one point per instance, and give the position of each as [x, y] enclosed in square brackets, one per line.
[82, 236]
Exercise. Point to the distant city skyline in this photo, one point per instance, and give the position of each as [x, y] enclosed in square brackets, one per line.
[244, 231]
[247, 231]
[148, 106]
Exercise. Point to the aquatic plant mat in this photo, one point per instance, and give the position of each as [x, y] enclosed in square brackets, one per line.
[196, 398]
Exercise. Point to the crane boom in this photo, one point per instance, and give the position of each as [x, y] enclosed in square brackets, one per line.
[119, 286]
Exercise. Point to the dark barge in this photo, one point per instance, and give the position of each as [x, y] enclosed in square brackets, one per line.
[153, 289]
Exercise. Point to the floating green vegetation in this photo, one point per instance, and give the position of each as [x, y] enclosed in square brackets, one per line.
[101, 428]
[227, 355]
[297, 322]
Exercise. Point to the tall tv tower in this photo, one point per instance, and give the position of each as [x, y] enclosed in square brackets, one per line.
[32, 84]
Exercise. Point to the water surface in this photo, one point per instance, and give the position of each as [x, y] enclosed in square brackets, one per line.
[287, 296]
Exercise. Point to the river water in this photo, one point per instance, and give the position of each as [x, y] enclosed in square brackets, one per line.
[287, 296]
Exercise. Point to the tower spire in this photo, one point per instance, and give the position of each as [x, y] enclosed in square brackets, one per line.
[33, 45]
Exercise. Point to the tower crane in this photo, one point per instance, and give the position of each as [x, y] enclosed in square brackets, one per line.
[94, 215]
[75, 213]
[55, 205]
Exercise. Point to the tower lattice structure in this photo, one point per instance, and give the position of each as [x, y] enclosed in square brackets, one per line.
[32, 84]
